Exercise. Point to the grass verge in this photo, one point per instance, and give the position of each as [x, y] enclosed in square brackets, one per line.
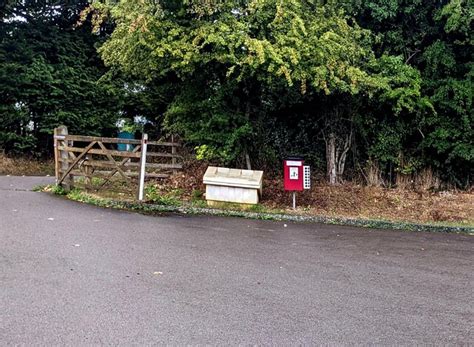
[167, 206]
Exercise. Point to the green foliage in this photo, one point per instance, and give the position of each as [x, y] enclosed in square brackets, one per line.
[258, 208]
[49, 73]
[199, 203]
[197, 195]
[301, 42]
[458, 15]
[228, 56]
[58, 190]
[250, 78]
[387, 145]
[169, 199]
[78, 195]
[81, 196]
[129, 126]
[221, 131]
[410, 167]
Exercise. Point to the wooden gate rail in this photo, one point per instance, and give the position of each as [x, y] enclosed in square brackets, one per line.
[76, 160]
[116, 153]
[71, 159]
[80, 138]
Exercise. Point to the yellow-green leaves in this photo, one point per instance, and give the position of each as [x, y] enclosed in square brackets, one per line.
[296, 41]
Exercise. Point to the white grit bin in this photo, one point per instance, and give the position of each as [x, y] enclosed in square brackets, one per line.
[232, 185]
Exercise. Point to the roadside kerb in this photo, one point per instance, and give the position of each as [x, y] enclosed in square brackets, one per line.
[365, 223]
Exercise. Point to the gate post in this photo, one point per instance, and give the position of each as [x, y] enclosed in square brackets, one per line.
[61, 156]
[173, 152]
[57, 168]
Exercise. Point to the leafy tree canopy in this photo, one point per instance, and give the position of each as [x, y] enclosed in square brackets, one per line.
[224, 46]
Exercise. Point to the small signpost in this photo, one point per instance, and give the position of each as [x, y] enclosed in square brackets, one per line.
[141, 180]
[297, 176]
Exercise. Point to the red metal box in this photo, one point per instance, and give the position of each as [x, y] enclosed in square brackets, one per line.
[293, 174]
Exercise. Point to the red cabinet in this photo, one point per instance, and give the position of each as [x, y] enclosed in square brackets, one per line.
[293, 174]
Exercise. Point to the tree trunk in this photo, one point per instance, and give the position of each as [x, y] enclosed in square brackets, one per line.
[341, 160]
[331, 159]
[246, 154]
[247, 161]
[336, 157]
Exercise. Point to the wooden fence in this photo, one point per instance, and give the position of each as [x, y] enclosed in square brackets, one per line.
[90, 156]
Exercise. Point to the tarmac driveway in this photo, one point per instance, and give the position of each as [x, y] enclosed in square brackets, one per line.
[76, 274]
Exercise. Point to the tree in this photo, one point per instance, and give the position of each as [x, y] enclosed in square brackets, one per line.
[436, 38]
[228, 53]
[49, 75]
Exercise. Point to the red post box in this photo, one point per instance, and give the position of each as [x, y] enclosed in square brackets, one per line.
[296, 176]
[293, 174]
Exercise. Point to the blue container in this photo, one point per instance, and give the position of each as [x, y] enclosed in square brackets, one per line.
[124, 146]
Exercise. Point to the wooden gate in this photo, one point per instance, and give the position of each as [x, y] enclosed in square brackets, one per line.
[90, 156]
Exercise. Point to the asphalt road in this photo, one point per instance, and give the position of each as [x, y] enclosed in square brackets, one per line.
[72, 274]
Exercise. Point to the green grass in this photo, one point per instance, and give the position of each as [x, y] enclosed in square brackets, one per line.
[171, 198]
[50, 188]
[159, 203]
[58, 190]
[199, 203]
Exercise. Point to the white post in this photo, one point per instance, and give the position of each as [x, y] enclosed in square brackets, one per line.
[294, 200]
[141, 183]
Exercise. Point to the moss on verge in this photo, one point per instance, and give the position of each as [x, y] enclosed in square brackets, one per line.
[87, 198]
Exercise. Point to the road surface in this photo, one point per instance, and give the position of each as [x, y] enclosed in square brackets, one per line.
[73, 274]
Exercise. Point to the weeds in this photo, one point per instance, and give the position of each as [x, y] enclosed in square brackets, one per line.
[258, 208]
[58, 190]
[80, 196]
[77, 195]
[50, 188]
[199, 203]
[169, 199]
[169, 203]
[197, 195]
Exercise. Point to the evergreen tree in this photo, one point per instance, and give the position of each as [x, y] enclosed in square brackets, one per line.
[49, 75]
